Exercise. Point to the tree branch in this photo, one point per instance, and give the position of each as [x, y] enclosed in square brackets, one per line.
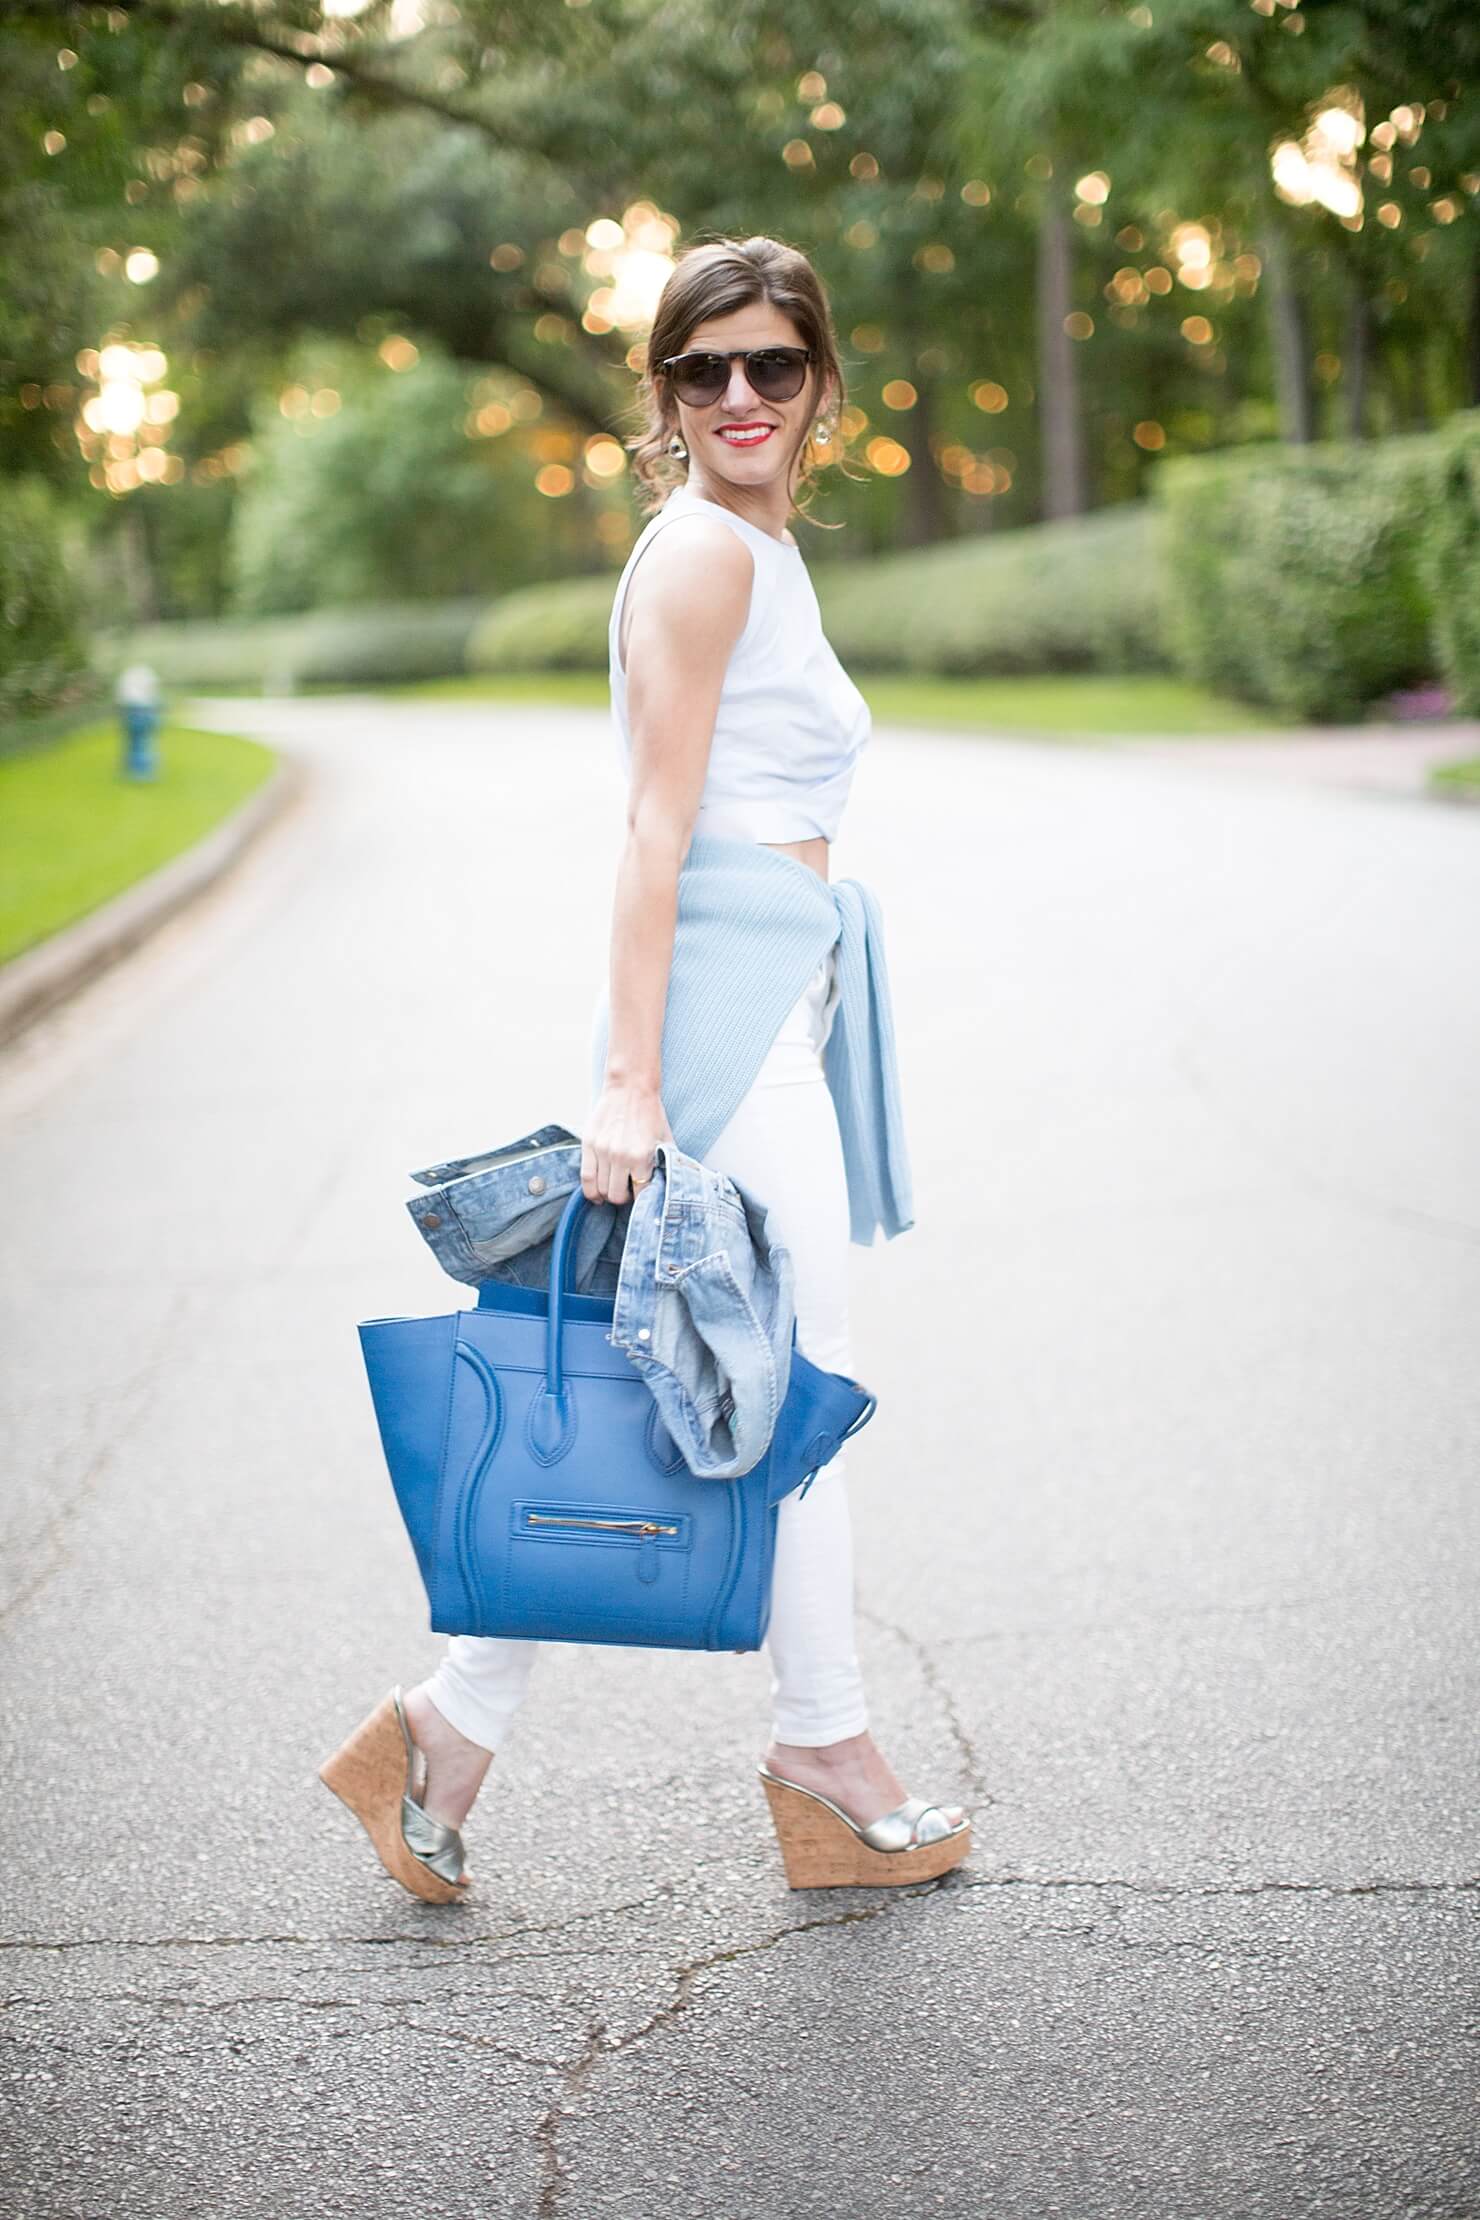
[241, 27]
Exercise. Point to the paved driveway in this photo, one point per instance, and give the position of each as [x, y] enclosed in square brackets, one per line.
[1166, 1535]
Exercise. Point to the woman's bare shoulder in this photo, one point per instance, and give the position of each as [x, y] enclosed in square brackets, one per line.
[695, 574]
[694, 534]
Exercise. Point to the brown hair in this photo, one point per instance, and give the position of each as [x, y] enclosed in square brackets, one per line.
[714, 278]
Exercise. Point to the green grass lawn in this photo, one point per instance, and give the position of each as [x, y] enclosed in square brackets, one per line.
[1458, 778]
[1089, 705]
[1074, 706]
[73, 833]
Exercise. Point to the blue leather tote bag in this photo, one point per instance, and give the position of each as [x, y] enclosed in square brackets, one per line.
[544, 1496]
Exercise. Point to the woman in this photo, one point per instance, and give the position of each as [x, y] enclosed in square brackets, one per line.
[739, 725]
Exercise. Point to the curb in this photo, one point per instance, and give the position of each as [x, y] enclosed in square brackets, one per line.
[39, 978]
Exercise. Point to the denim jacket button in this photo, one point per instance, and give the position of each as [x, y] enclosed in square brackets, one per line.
[644, 1333]
[431, 1219]
[537, 1185]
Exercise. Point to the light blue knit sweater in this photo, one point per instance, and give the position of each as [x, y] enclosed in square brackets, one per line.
[753, 926]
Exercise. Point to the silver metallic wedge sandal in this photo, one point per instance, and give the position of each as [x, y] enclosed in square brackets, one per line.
[822, 1848]
[374, 1773]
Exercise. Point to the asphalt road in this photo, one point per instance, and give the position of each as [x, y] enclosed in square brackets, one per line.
[1166, 1535]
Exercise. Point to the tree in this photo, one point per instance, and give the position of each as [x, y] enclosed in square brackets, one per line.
[1009, 199]
[382, 496]
[1182, 108]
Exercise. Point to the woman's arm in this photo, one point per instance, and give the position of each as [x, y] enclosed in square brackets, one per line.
[696, 582]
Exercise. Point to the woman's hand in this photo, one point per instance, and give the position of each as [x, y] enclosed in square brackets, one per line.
[626, 1124]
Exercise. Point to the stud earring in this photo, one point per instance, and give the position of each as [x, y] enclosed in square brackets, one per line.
[677, 447]
[821, 434]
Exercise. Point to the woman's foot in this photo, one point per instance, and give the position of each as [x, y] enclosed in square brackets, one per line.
[454, 1766]
[852, 1774]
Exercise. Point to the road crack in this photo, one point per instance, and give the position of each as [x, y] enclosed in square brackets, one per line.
[960, 1878]
[600, 2044]
[935, 1681]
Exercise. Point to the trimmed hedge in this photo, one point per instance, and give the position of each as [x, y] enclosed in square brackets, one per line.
[546, 628]
[1308, 579]
[42, 659]
[1079, 595]
[1449, 558]
[371, 644]
[1291, 574]
[1073, 596]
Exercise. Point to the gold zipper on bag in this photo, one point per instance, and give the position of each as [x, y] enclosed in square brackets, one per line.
[607, 1526]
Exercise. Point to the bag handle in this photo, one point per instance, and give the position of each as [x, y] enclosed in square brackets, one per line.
[552, 1415]
[562, 1272]
[562, 1265]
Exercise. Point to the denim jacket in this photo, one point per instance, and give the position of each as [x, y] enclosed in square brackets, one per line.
[703, 1300]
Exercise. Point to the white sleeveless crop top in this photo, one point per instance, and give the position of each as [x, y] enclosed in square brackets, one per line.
[790, 724]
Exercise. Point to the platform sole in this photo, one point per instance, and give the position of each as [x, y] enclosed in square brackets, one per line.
[368, 1775]
[820, 1851]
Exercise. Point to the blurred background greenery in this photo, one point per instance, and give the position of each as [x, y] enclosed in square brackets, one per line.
[1161, 324]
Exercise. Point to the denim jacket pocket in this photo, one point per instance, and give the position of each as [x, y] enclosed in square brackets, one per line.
[498, 1222]
[496, 1234]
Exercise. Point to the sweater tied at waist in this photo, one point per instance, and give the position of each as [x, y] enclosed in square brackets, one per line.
[752, 927]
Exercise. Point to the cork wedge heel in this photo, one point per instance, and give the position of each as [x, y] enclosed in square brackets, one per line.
[822, 1848]
[373, 1773]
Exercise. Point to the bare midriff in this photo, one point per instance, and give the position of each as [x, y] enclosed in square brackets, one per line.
[811, 852]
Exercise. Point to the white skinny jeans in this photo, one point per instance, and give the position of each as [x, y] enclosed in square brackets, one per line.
[784, 1146]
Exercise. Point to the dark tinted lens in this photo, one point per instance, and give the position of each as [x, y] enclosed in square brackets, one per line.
[701, 377]
[776, 372]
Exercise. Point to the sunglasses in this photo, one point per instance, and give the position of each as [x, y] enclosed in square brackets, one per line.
[775, 373]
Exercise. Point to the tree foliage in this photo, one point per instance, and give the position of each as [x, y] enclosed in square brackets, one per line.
[386, 497]
[309, 178]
